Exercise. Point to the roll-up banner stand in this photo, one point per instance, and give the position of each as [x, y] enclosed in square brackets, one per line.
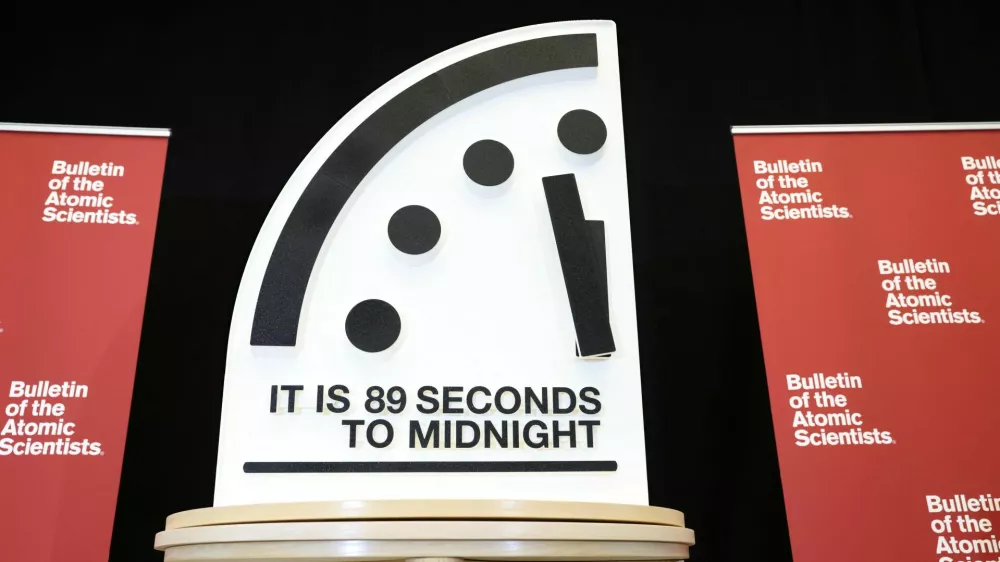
[874, 255]
[78, 209]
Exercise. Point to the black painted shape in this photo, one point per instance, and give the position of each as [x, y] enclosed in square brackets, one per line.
[588, 296]
[582, 131]
[282, 292]
[373, 325]
[601, 255]
[428, 466]
[414, 230]
[488, 162]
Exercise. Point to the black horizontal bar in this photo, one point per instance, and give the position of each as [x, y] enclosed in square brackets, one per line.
[437, 466]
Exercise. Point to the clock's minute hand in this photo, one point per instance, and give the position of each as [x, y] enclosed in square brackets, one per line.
[581, 248]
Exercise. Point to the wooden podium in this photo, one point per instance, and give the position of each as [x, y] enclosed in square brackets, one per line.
[432, 530]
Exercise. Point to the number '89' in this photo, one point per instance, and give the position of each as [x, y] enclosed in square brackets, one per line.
[393, 400]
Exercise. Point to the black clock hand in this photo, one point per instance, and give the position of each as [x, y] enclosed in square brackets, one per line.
[581, 248]
[600, 254]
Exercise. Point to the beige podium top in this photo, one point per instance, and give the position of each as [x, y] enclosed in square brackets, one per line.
[467, 510]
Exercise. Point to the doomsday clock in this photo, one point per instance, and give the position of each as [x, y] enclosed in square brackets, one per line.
[440, 304]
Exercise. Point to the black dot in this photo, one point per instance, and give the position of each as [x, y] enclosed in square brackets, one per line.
[582, 131]
[488, 162]
[414, 229]
[373, 325]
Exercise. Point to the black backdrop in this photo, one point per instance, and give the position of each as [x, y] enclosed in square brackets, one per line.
[248, 92]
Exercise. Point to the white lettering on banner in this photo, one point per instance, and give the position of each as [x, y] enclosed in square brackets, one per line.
[801, 201]
[807, 196]
[915, 299]
[960, 534]
[820, 382]
[833, 412]
[984, 173]
[786, 167]
[985, 163]
[75, 198]
[62, 199]
[37, 426]
[45, 389]
[87, 169]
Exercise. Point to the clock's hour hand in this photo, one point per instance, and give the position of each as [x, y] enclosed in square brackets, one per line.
[580, 244]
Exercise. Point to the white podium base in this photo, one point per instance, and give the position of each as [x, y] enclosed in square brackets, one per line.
[431, 531]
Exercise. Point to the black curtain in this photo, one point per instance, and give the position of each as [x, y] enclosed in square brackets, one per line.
[248, 92]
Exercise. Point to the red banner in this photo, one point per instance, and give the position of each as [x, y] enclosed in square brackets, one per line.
[77, 216]
[874, 257]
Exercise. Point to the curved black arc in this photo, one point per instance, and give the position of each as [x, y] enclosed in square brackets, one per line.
[279, 303]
